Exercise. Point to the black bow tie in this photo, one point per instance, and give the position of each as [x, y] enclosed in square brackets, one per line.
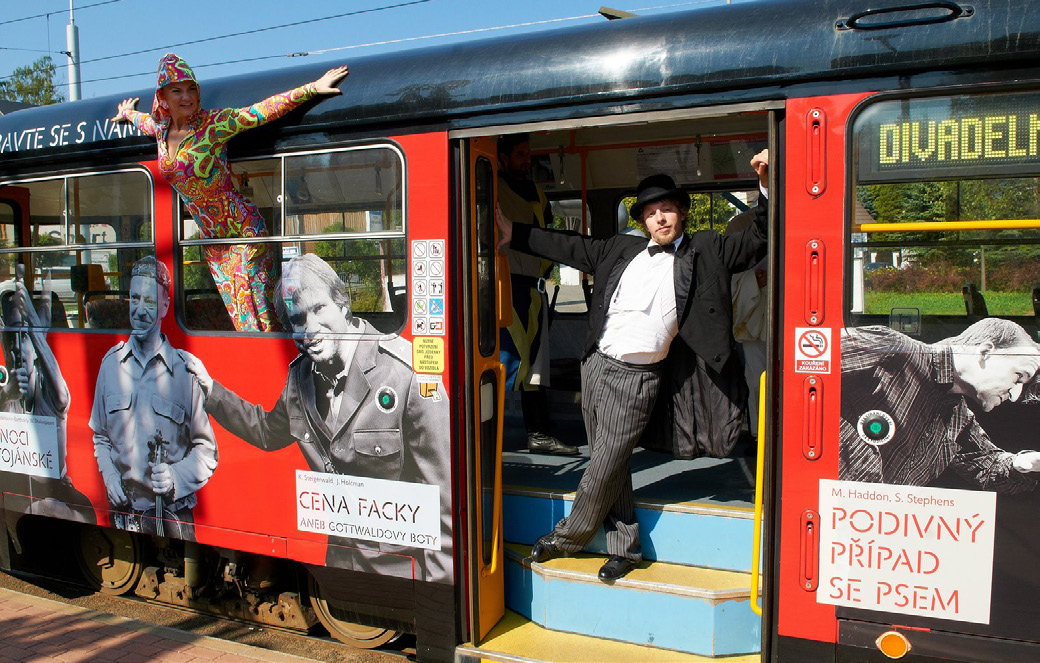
[654, 249]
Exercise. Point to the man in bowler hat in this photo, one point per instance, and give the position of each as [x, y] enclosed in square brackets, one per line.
[645, 295]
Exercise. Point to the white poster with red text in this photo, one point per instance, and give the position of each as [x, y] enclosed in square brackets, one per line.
[907, 549]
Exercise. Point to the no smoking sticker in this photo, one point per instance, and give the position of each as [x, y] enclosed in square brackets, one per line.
[812, 350]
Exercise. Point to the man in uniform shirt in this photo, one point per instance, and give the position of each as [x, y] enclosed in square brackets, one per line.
[525, 344]
[906, 406]
[152, 437]
[354, 406]
[645, 295]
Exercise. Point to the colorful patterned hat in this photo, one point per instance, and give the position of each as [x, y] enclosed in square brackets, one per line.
[172, 69]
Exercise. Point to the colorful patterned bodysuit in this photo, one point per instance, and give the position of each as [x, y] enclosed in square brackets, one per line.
[243, 273]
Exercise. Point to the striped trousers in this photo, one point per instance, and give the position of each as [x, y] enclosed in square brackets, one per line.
[616, 402]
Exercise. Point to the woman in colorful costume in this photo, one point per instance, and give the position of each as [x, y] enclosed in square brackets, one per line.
[193, 159]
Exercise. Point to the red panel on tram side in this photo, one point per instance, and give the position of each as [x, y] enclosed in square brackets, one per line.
[810, 217]
[250, 502]
[253, 490]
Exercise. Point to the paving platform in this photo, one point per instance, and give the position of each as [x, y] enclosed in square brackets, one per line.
[38, 629]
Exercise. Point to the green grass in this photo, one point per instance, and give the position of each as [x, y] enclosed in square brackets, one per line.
[946, 303]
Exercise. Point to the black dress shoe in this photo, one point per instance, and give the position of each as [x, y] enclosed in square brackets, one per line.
[615, 567]
[545, 548]
[540, 443]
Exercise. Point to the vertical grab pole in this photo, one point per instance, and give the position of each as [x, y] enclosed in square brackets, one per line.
[756, 552]
[496, 509]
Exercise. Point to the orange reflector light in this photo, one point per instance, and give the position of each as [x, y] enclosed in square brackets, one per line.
[893, 644]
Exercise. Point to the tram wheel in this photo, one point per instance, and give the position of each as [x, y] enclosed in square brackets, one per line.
[110, 559]
[351, 633]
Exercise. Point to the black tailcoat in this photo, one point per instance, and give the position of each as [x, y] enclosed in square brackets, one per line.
[704, 383]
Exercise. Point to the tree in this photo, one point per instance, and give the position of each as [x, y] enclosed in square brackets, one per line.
[32, 84]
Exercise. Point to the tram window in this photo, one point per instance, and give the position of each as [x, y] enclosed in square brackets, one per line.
[709, 210]
[260, 181]
[345, 206]
[487, 329]
[355, 191]
[567, 215]
[714, 210]
[46, 211]
[8, 238]
[946, 216]
[106, 209]
[86, 232]
[8, 234]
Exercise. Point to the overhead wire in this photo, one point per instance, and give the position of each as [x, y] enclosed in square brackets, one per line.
[457, 33]
[366, 45]
[446, 34]
[61, 11]
[399, 5]
[194, 66]
[258, 30]
[331, 49]
[29, 50]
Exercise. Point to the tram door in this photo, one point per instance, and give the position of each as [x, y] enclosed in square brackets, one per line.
[486, 389]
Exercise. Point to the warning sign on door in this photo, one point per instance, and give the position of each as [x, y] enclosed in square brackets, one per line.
[812, 350]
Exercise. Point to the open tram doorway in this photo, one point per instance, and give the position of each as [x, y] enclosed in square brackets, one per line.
[589, 176]
[694, 514]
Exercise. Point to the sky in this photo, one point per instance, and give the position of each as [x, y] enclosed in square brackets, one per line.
[121, 41]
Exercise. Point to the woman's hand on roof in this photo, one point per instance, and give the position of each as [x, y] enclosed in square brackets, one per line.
[328, 83]
[124, 106]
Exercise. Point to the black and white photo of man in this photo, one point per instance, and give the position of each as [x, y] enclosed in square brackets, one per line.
[152, 437]
[354, 406]
[35, 386]
[908, 409]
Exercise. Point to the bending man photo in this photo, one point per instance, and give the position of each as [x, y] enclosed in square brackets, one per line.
[354, 406]
[907, 406]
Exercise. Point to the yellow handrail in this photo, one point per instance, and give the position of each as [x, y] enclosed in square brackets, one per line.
[756, 551]
[496, 509]
[941, 226]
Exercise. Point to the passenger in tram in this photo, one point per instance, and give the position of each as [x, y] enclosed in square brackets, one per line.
[354, 406]
[645, 295]
[525, 344]
[153, 440]
[906, 406]
[35, 386]
[193, 159]
[749, 326]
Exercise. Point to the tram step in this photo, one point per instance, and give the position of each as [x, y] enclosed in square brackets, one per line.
[667, 606]
[515, 639]
[694, 534]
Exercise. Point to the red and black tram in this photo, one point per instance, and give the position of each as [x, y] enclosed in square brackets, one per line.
[905, 213]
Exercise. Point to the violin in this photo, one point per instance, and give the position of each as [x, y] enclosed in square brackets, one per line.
[157, 520]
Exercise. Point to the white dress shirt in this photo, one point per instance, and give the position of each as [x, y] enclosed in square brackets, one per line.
[641, 320]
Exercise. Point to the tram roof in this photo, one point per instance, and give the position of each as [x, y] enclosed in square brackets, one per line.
[766, 43]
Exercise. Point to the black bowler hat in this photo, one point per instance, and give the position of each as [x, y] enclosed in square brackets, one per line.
[658, 187]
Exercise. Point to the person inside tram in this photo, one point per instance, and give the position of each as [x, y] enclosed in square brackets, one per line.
[750, 320]
[907, 406]
[651, 292]
[193, 159]
[525, 343]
